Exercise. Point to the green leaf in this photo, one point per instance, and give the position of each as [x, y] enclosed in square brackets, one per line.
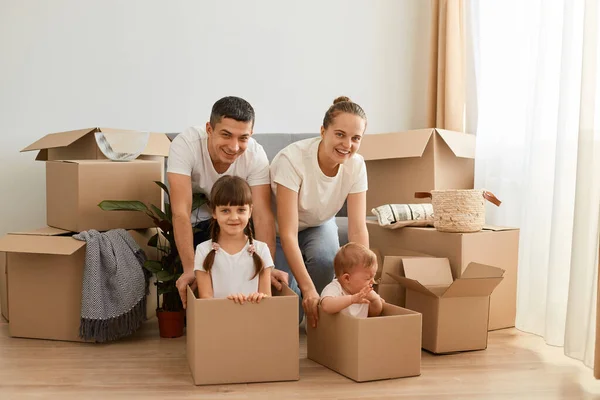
[164, 187]
[164, 276]
[153, 266]
[123, 205]
[159, 212]
[168, 211]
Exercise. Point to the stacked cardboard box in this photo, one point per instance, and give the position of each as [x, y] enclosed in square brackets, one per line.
[400, 164]
[41, 270]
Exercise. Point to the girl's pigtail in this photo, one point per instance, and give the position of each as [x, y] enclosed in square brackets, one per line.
[258, 262]
[214, 235]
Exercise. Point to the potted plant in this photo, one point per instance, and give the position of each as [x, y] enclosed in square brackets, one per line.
[168, 269]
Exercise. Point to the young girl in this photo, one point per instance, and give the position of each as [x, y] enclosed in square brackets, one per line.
[232, 264]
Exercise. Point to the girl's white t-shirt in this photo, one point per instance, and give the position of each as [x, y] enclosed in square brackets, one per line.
[335, 289]
[232, 273]
[320, 197]
[188, 155]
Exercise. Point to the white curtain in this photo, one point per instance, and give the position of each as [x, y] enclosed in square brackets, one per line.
[534, 103]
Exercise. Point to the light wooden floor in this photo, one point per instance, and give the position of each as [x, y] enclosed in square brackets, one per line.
[515, 366]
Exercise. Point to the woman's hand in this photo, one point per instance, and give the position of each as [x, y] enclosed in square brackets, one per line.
[310, 303]
[238, 298]
[256, 297]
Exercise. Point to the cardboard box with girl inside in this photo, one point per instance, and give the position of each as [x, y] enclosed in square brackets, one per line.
[239, 330]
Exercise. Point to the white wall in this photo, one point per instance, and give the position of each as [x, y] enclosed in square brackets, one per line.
[158, 65]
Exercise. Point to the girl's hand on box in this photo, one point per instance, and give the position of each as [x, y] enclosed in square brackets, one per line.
[256, 297]
[238, 298]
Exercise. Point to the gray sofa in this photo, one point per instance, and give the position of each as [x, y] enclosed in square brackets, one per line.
[273, 143]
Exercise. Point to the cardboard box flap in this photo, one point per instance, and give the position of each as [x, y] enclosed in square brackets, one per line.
[416, 286]
[102, 161]
[393, 264]
[498, 228]
[158, 145]
[461, 144]
[60, 139]
[476, 270]
[429, 271]
[395, 145]
[55, 245]
[478, 287]
[46, 231]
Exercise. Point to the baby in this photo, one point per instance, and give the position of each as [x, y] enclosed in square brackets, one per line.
[352, 290]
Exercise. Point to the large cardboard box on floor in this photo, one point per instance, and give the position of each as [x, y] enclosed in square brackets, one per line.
[233, 343]
[402, 163]
[494, 245]
[367, 349]
[75, 188]
[455, 311]
[44, 272]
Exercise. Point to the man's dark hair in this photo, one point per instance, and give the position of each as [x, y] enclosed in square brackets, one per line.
[231, 107]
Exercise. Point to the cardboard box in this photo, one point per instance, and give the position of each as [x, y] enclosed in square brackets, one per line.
[388, 287]
[494, 245]
[367, 349]
[455, 311]
[3, 286]
[81, 145]
[75, 188]
[400, 164]
[45, 271]
[232, 343]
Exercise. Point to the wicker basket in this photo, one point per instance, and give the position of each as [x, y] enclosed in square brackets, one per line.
[459, 210]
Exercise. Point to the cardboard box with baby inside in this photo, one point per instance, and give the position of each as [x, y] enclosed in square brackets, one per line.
[357, 334]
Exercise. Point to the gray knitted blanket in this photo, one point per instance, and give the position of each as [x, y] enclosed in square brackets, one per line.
[115, 285]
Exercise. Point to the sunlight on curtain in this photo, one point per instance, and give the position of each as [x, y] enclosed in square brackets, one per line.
[538, 152]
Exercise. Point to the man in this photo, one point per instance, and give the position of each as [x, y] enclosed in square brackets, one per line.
[197, 158]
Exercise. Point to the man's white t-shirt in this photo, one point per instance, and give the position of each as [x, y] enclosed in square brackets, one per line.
[232, 273]
[334, 289]
[320, 197]
[189, 156]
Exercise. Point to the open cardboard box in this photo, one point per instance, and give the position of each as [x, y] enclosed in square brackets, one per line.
[367, 349]
[387, 287]
[44, 273]
[494, 245]
[455, 311]
[232, 343]
[71, 171]
[402, 163]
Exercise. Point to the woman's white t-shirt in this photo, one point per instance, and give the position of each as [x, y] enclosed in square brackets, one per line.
[232, 273]
[320, 197]
[188, 155]
[335, 289]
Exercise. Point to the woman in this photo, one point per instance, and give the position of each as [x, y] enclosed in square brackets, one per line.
[311, 180]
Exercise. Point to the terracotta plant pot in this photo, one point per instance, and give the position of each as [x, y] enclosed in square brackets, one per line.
[170, 323]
